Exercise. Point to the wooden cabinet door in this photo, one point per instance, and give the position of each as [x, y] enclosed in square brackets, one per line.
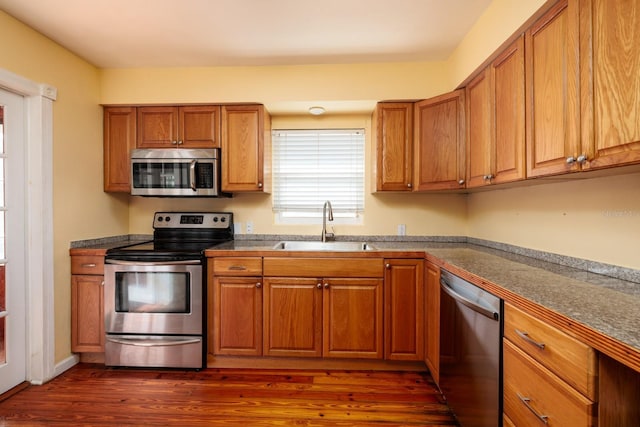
[508, 134]
[199, 126]
[292, 317]
[352, 318]
[119, 139]
[439, 142]
[552, 82]
[610, 67]
[87, 313]
[245, 135]
[235, 325]
[157, 127]
[479, 130]
[404, 310]
[432, 321]
[393, 124]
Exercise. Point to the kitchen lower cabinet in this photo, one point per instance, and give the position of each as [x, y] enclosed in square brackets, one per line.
[292, 317]
[87, 303]
[432, 321]
[235, 306]
[329, 317]
[404, 309]
[549, 376]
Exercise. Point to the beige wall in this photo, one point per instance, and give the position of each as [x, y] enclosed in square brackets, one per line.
[80, 209]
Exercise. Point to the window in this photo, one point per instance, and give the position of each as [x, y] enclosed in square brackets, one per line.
[313, 166]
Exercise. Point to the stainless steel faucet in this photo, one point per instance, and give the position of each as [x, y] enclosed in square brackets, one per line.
[326, 236]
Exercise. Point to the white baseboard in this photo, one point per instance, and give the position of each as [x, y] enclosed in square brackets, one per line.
[62, 366]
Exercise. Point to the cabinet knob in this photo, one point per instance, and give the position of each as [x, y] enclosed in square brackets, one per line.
[259, 185]
[582, 158]
[326, 285]
[488, 177]
[409, 185]
[387, 266]
[179, 142]
[258, 285]
[571, 160]
[174, 142]
[319, 286]
[461, 182]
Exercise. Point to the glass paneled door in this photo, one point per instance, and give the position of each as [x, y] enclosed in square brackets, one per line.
[13, 272]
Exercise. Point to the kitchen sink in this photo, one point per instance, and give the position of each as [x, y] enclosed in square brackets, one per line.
[308, 245]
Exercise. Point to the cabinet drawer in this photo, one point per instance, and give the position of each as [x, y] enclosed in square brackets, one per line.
[570, 359]
[533, 394]
[237, 266]
[323, 267]
[87, 264]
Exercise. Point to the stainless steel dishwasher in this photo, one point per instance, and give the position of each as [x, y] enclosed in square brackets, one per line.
[470, 352]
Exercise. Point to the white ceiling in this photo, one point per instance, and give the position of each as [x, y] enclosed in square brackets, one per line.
[190, 33]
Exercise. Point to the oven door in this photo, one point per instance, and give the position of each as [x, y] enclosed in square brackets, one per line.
[162, 298]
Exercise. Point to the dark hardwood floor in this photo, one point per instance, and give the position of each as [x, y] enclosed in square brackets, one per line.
[91, 395]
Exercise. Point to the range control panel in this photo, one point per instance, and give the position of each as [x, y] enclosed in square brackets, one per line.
[192, 220]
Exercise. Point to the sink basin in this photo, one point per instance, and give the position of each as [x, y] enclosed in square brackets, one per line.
[304, 245]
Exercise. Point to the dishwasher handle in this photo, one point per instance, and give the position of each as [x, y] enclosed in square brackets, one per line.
[467, 302]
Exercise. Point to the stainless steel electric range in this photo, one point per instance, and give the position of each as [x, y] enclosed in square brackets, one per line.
[155, 294]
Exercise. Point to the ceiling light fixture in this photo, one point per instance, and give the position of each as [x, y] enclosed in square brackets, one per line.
[316, 111]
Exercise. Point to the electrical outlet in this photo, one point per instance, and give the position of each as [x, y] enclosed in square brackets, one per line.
[402, 230]
[237, 228]
[249, 227]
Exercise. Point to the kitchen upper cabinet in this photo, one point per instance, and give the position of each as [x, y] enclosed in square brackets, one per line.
[87, 303]
[480, 147]
[432, 321]
[119, 139]
[552, 92]
[496, 120]
[610, 71]
[189, 126]
[393, 161]
[246, 142]
[439, 142]
[404, 309]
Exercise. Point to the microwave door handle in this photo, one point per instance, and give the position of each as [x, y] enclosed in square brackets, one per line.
[192, 174]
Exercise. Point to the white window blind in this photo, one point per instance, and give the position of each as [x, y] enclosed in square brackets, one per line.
[313, 166]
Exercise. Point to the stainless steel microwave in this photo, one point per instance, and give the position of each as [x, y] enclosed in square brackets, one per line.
[171, 172]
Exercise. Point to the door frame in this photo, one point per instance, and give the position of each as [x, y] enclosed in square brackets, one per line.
[39, 99]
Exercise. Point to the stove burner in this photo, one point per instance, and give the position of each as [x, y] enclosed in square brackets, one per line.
[179, 236]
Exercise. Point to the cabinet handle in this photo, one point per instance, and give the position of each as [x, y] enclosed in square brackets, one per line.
[525, 336]
[237, 267]
[90, 265]
[571, 160]
[3, 314]
[461, 182]
[258, 285]
[488, 177]
[526, 400]
[102, 283]
[582, 158]
[319, 286]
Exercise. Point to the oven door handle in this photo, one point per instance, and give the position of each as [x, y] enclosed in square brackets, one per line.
[155, 342]
[154, 263]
